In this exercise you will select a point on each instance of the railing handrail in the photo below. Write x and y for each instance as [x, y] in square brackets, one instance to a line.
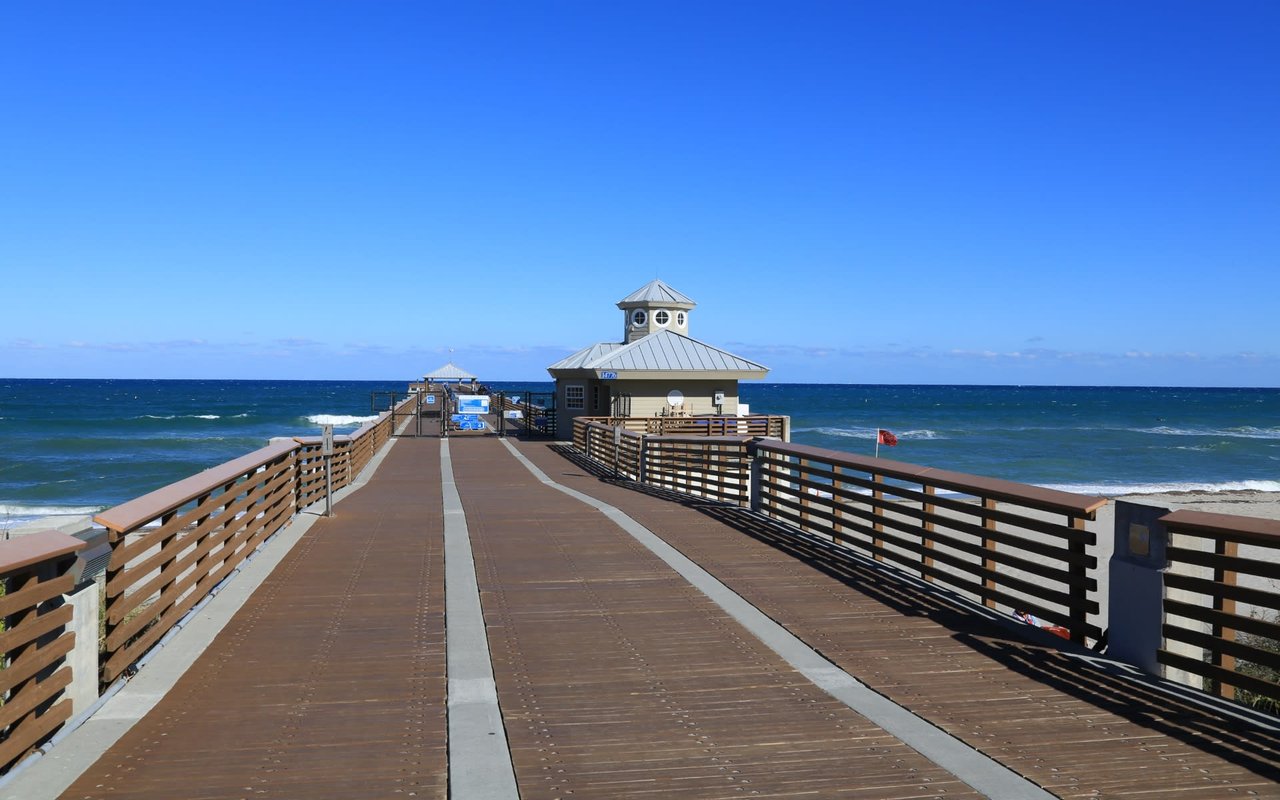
[676, 438]
[141, 510]
[608, 427]
[978, 485]
[1249, 530]
[129, 515]
[312, 441]
[24, 551]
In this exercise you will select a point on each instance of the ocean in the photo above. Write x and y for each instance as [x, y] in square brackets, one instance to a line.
[78, 446]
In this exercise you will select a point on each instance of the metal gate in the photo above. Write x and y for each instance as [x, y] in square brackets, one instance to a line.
[525, 413]
[419, 417]
[540, 414]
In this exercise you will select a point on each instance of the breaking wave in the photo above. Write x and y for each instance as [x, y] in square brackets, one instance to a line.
[339, 420]
[1117, 489]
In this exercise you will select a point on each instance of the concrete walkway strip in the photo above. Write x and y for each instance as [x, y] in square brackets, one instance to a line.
[49, 775]
[479, 759]
[984, 774]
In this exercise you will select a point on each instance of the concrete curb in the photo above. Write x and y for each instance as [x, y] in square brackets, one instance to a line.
[480, 765]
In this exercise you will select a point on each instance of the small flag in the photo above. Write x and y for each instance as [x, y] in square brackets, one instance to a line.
[886, 438]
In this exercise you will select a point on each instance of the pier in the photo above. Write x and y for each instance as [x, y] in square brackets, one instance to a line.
[625, 615]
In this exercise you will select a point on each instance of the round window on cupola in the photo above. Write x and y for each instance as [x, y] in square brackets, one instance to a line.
[661, 317]
[638, 317]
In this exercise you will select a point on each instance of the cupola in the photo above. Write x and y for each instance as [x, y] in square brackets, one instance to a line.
[654, 307]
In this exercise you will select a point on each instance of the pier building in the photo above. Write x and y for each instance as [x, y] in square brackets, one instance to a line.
[657, 369]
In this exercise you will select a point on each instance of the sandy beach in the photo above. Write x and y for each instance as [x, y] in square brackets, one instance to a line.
[1249, 504]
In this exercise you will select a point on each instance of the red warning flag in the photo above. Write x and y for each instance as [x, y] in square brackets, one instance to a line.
[886, 438]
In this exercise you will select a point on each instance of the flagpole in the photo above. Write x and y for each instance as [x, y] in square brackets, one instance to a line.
[877, 442]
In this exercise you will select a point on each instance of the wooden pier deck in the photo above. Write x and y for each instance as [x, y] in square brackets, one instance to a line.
[619, 675]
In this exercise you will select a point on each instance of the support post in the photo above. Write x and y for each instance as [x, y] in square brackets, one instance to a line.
[326, 451]
[926, 532]
[754, 487]
[989, 545]
[1135, 588]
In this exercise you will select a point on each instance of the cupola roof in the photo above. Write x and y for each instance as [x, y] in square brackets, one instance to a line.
[655, 292]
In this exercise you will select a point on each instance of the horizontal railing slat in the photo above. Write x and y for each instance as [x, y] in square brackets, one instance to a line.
[34, 660]
[31, 628]
[27, 733]
[1236, 649]
[17, 707]
[1245, 566]
[1205, 586]
[1214, 672]
[35, 593]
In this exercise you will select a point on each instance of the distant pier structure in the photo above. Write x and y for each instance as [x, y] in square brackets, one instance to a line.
[656, 370]
[449, 373]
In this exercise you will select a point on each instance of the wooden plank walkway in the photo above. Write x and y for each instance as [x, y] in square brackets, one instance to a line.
[618, 679]
[330, 681]
[1075, 729]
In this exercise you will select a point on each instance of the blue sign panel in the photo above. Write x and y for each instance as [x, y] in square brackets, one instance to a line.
[473, 403]
[608, 376]
[465, 418]
[431, 399]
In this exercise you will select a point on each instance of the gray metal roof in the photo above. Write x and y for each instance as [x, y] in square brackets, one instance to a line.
[449, 372]
[665, 350]
[655, 291]
[584, 357]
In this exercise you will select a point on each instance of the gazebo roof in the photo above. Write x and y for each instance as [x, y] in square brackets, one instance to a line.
[449, 372]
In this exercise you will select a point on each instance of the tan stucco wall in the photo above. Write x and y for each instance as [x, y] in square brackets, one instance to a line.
[648, 397]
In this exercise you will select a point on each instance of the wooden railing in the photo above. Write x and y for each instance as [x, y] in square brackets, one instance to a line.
[716, 467]
[994, 540]
[34, 575]
[615, 447]
[171, 547]
[1226, 567]
[1002, 543]
[758, 425]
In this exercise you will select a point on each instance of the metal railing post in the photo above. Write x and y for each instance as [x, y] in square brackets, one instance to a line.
[642, 455]
[753, 488]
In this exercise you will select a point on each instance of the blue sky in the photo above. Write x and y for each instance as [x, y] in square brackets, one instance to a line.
[905, 192]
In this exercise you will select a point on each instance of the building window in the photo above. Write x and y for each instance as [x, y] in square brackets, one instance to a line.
[661, 317]
[595, 399]
[638, 317]
[575, 397]
[680, 318]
